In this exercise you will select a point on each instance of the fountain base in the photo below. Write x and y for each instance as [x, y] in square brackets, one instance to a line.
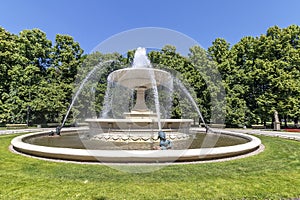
[138, 129]
[138, 136]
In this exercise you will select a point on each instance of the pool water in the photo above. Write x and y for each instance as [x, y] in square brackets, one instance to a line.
[81, 141]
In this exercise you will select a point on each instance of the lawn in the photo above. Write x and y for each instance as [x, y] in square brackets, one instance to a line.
[272, 174]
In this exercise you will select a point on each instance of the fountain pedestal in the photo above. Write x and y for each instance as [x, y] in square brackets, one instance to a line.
[140, 110]
[140, 100]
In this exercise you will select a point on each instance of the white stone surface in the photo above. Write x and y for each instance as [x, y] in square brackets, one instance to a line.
[137, 77]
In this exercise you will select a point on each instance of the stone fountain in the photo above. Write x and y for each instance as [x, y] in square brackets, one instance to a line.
[141, 123]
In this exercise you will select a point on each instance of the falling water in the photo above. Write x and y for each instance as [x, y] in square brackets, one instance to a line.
[131, 104]
[107, 101]
[188, 94]
[81, 86]
[141, 61]
[156, 100]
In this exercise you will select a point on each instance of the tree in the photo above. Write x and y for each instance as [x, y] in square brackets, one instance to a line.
[223, 57]
[65, 62]
[261, 75]
[189, 80]
[212, 91]
[94, 73]
[10, 63]
[279, 68]
[35, 48]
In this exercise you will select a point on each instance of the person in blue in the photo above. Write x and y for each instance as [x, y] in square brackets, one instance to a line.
[58, 128]
[164, 144]
[57, 131]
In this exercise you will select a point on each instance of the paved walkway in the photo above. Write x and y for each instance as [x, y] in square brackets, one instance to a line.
[27, 130]
[32, 130]
[281, 134]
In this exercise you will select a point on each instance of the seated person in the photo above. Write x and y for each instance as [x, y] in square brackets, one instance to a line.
[164, 144]
[58, 130]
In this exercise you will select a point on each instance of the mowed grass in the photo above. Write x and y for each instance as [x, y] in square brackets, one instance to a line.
[272, 174]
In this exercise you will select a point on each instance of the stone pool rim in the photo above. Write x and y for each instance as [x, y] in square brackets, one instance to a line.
[135, 156]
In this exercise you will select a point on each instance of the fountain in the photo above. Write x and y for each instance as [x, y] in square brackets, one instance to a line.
[141, 122]
[129, 133]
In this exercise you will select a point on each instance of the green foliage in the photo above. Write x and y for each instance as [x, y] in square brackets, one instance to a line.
[36, 77]
[90, 100]
[9, 59]
[261, 75]
[188, 77]
[212, 91]
[244, 83]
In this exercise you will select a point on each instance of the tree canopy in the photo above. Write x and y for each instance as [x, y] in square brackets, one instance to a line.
[261, 75]
[239, 84]
[36, 76]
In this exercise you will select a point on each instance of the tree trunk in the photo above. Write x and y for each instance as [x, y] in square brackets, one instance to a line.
[296, 122]
[285, 122]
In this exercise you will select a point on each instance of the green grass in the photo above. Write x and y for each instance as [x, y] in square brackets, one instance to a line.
[272, 174]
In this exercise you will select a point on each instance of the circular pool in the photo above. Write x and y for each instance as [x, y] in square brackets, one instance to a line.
[75, 145]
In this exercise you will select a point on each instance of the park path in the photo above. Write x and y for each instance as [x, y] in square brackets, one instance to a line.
[32, 130]
[281, 134]
[27, 130]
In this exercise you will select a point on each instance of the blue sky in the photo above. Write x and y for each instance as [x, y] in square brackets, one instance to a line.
[93, 21]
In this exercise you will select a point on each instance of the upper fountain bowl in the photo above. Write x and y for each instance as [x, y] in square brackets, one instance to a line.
[140, 77]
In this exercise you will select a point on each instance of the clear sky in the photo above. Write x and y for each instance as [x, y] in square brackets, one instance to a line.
[92, 21]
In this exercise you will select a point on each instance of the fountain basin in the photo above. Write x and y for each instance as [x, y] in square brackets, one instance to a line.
[132, 156]
[140, 77]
